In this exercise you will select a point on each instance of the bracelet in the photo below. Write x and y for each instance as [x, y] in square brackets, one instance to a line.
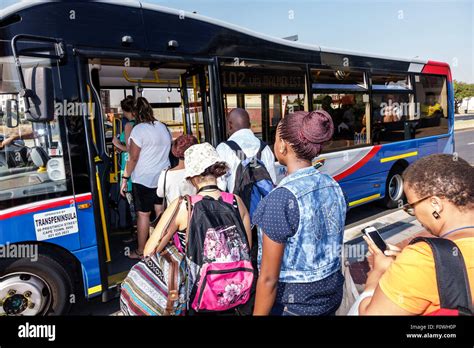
[125, 177]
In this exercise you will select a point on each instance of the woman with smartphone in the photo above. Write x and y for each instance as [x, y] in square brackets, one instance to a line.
[440, 194]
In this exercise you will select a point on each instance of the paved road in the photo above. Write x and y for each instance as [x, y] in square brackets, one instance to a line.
[464, 144]
[464, 117]
[363, 214]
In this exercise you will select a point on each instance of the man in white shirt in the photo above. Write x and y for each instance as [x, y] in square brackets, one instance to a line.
[238, 127]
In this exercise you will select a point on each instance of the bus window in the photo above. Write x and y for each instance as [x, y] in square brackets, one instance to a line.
[266, 91]
[348, 112]
[253, 105]
[195, 107]
[393, 113]
[281, 105]
[390, 115]
[110, 100]
[230, 102]
[432, 105]
[383, 82]
[167, 107]
[344, 95]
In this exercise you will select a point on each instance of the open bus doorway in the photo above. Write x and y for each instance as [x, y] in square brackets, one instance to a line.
[179, 96]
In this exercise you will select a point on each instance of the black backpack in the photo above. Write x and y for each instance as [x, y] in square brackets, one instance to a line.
[252, 180]
[219, 266]
[451, 277]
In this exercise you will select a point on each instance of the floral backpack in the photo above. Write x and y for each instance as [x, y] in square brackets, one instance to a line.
[218, 255]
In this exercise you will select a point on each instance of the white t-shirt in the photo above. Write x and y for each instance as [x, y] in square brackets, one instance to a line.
[154, 140]
[250, 145]
[176, 185]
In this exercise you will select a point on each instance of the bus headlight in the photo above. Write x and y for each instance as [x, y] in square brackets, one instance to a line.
[55, 169]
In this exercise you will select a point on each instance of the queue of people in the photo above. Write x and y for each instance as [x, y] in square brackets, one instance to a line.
[206, 229]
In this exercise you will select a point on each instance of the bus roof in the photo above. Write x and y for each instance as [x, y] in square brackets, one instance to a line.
[217, 24]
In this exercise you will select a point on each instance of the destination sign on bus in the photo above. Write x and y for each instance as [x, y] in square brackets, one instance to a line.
[247, 80]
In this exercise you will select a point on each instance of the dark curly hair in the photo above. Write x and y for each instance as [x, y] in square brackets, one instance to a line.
[216, 170]
[444, 176]
[306, 132]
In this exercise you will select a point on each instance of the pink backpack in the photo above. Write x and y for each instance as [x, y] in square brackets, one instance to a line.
[218, 255]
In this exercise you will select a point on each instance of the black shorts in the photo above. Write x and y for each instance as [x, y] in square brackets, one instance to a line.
[145, 198]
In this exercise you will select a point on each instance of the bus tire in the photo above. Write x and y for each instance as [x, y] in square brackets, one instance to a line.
[46, 274]
[394, 188]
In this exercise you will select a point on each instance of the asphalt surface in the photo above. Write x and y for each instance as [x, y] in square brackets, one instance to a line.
[465, 117]
[464, 144]
[464, 140]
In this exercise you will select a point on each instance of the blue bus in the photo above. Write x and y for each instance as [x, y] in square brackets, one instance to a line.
[64, 67]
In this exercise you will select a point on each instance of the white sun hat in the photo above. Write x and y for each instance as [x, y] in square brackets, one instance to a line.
[198, 158]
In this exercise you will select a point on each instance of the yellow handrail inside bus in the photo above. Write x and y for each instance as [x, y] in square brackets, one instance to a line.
[196, 114]
[183, 111]
[91, 114]
[115, 174]
[99, 188]
[156, 80]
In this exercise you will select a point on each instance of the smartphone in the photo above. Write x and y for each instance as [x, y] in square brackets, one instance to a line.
[374, 235]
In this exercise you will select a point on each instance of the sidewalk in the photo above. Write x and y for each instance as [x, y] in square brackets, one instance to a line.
[462, 124]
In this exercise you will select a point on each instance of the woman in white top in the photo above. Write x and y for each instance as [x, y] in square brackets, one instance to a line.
[176, 183]
[148, 147]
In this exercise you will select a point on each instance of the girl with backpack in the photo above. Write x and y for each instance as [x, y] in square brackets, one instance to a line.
[212, 228]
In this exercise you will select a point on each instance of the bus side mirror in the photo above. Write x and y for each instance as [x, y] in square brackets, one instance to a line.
[40, 94]
[13, 118]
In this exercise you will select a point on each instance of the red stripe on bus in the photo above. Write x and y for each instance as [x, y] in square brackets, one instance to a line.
[437, 68]
[359, 164]
[50, 205]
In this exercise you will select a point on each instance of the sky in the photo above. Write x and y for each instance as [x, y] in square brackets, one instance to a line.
[441, 30]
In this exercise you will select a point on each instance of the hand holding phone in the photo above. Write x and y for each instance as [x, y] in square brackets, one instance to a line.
[374, 235]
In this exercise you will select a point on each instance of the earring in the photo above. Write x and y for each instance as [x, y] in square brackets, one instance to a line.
[436, 215]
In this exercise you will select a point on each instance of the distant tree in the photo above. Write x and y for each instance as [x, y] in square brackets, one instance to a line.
[462, 90]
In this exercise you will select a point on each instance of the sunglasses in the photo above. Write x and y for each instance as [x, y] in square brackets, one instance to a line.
[409, 208]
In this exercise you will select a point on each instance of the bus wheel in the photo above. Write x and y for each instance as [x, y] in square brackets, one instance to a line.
[40, 287]
[394, 188]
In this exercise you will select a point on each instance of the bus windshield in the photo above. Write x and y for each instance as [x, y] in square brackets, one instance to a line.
[31, 153]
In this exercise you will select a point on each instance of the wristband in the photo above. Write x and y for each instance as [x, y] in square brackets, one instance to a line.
[125, 177]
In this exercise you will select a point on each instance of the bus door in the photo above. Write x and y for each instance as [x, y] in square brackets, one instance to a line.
[183, 103]
[196, 101]
[179, 96]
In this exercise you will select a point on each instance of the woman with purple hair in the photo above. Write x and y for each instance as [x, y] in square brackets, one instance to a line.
[301, 224]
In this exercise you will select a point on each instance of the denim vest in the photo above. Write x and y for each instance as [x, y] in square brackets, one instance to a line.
[314, 252]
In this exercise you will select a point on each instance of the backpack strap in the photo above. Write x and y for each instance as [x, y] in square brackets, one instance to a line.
[227, 197]
[194, 199]
[263, 145]
[236, 148]
[165, 202]
[451, 275]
